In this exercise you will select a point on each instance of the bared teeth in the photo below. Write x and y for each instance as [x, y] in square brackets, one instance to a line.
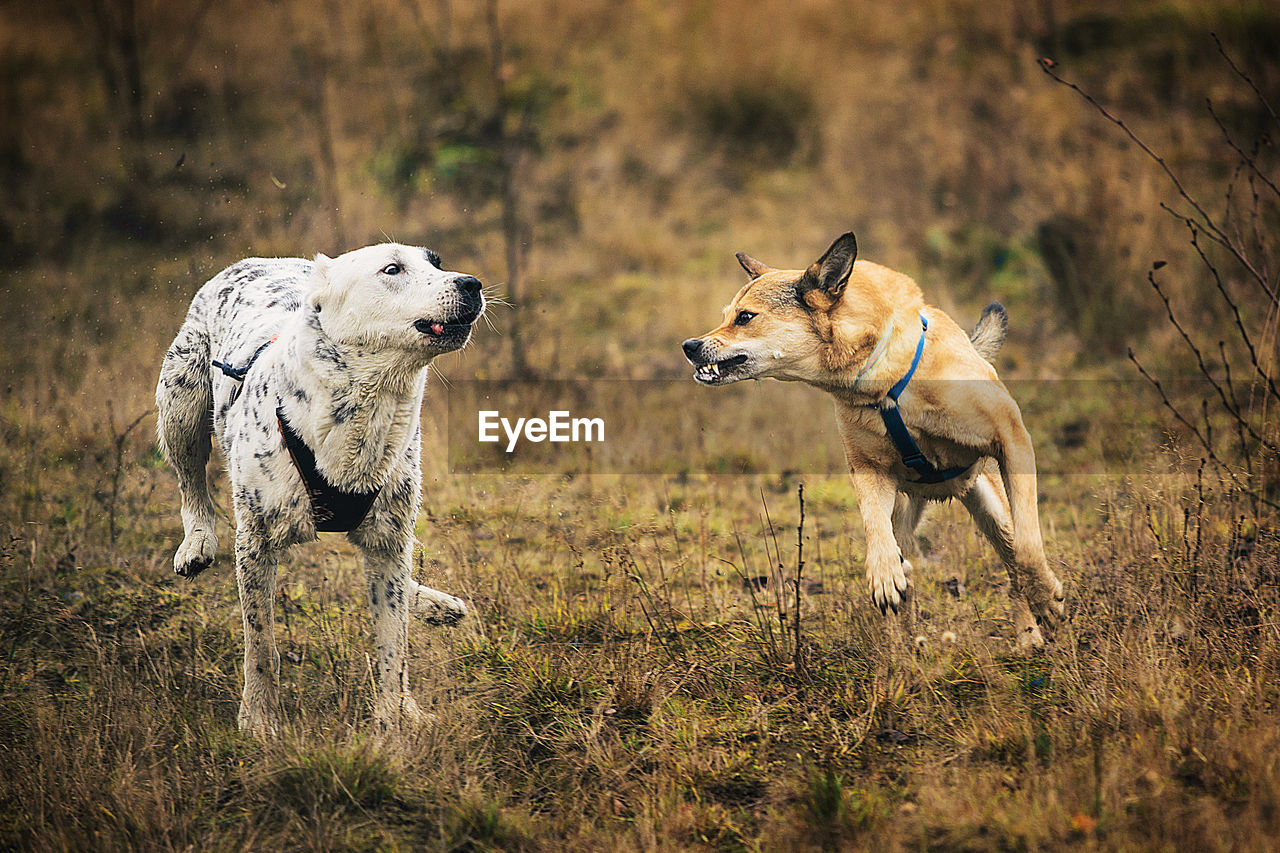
[710, 370]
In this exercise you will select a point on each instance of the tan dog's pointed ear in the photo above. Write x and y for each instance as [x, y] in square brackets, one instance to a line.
[831, 272]
[754, 268]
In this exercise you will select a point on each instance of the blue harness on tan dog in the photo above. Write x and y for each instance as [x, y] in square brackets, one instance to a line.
[898, 434]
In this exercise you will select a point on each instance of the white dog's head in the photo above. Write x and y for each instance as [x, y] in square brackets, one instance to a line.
[397, 297]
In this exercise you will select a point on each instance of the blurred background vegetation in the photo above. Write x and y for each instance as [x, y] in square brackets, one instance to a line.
[602, 161]
[598, 162]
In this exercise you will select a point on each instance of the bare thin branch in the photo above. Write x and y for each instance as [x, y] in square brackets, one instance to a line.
[1235, 311]
[1235, 401]
[1245, 77]
[1213, 456]
[1217, 238]
[1232, 410]
[1146, 149]
[1206, 222]
[1245, 159]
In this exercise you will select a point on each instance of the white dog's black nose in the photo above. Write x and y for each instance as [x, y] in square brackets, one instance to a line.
[468, 284]
[691, 348]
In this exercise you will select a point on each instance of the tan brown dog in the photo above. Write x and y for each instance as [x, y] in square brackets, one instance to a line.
[857, 330]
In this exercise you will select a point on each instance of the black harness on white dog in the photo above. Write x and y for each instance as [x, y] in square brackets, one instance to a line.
[333, 510]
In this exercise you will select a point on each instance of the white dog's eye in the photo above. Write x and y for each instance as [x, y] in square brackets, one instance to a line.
[391, 269]
[743, 318]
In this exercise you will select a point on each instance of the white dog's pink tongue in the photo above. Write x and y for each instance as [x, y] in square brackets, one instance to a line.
[437, 328]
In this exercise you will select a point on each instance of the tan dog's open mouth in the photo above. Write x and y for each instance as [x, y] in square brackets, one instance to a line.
[720, 372]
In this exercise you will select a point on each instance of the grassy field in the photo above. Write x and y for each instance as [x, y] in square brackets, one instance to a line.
[677, 661]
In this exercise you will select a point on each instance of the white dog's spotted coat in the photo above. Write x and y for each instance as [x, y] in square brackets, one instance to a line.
[353, 336]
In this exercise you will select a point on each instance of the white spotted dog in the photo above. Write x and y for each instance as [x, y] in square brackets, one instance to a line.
[311, 375]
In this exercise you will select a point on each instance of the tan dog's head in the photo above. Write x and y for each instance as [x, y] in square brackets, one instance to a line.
[777, 325]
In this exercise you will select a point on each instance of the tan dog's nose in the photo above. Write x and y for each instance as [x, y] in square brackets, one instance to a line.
[691, 349]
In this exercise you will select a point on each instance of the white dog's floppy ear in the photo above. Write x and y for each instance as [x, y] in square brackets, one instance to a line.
[754, 268]
[318, 284]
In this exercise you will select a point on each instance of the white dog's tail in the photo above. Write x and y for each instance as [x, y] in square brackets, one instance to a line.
[988, 336]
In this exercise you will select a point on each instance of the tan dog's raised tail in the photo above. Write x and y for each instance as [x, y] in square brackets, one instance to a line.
[855, 329]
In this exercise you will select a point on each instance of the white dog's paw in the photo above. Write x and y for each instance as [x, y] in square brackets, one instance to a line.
[259, 722]
[889, 586]
[435, 607]
[195, 554]
[399, 712]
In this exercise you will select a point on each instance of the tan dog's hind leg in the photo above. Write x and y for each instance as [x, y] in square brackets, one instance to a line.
[989, 507]
[907, 510]
[1017, 460]
[886, 573]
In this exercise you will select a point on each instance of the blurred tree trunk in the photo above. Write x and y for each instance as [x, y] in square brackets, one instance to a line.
[115, 33]
[314, 59]
[328, 158]
[509, 150]
[117, 47]
[445, 20]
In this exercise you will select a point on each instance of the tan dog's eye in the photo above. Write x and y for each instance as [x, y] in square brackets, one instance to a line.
[743, 318]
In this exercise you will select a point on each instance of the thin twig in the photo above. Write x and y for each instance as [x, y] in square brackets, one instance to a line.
[799, 572]
[1213, 456]
[1245, 159]
[1206, 222]
[1235, 311]
[1204, 368]
[1146, 149]
[1245, 77]
[1240, 422]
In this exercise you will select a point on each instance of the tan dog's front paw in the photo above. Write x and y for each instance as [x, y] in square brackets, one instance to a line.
[889, 587]
[1030, 638]
[1049, 603]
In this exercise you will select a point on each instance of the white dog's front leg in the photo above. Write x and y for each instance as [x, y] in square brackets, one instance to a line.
[387, 575]
[256, 577]
[886, 570]
[433, 606]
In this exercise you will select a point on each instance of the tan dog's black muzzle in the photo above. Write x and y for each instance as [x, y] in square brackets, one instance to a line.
[693, 350]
